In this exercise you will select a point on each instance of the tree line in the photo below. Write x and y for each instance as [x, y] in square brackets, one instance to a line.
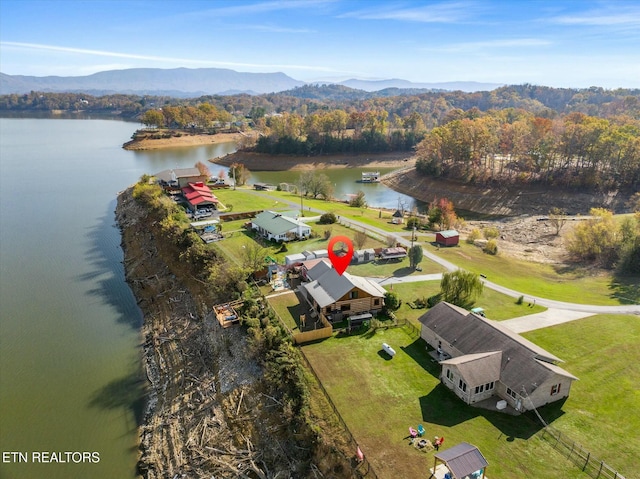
[574, 150]
[337, 131]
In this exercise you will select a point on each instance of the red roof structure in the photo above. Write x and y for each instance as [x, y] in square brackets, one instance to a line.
[199, 194]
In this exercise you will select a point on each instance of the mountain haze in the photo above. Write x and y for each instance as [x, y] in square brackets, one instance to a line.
[186, 82]
[153, 81]
[377, 85]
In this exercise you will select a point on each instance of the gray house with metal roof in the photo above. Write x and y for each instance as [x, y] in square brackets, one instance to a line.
[481, 358]
[339, 296]
[278, 227]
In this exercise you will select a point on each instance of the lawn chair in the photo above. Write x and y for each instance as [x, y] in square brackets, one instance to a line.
[412, 432]
[420, 430]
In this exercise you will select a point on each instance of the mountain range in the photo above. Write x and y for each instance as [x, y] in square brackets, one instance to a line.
[186, 82]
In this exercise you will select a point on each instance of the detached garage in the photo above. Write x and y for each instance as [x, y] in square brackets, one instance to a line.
[448, 238]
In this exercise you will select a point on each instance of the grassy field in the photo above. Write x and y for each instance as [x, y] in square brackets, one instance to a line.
[546, 281]
[244, 199]
[497, 306]
[380, 398]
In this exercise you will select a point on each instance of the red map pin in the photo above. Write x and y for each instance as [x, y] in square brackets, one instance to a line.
[340, 261]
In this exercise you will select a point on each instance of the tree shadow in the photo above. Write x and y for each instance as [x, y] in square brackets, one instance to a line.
[405, 271]
[128, 393]
[105, 256]
[625, 289]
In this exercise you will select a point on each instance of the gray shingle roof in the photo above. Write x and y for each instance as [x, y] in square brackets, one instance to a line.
[462, 459]
[479, 368]
[522, 364]
[167, 175]
[331, 286]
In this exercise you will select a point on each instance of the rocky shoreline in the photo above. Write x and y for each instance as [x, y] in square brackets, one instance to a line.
[265, 162]
[208, 413]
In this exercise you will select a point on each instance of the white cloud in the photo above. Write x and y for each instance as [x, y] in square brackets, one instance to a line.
[437, 13]
[623, 15]
[490, 45]
[166, 60]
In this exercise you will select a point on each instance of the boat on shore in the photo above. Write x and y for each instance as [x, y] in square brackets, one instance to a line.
[370, 177]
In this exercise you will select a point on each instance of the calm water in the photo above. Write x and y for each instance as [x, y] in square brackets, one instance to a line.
[69, 325]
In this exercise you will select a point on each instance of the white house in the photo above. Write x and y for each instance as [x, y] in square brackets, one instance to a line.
[277, 227]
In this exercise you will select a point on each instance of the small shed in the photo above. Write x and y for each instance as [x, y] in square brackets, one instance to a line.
[397, 218]
[463, 461]
[448, 238]
[294, 258]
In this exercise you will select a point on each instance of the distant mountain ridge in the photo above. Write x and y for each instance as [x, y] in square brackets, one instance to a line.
[153, 81]
[377, 85]
[186, 82]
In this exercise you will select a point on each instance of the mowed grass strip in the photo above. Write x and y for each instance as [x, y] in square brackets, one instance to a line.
[379, 398]
[543, 280]
[497, 306]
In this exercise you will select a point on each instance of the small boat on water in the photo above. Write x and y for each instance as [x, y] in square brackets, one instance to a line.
[371, 177]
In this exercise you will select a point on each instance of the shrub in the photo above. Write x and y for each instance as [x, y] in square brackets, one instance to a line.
[491, 247]
[433, 300]
[520, 299]
[327, 233]
[327, 219]
[473, 235]
[491, 232]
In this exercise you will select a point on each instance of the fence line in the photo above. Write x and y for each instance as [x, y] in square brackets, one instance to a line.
[363, 469]
[578, 455]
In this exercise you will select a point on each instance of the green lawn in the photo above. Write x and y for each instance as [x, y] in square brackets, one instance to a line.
[546, 281]
[379, 398]
[288, 308]
[602, 411]
[497, 306]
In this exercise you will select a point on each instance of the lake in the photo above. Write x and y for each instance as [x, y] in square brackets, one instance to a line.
[69, 324]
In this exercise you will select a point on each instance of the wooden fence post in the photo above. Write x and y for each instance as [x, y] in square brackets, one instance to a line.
[586, 463]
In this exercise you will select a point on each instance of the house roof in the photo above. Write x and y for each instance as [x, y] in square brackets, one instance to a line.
[479, 368]
[317, 267]
[462, 459]
[523, 364]
[397, 214]
[448, 233]
[175, 173]
[198, 193]
[330, 287]
[276, 223]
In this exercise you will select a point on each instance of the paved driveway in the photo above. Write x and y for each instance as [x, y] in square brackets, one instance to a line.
[550, 317]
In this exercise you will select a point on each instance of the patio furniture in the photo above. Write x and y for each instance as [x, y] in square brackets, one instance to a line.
[420, 430]
[412, 432]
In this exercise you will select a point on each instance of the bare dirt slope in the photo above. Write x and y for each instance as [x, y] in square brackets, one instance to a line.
[209, 413]
[510, 200]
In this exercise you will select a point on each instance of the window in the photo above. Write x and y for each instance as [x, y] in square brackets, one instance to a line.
[353, 295]
[555, 389]
[489, 386]
[376, 302]
[327, 310]
[511, 393]
[479, 389]
[449, 375]
[462, 385]
[345, 307]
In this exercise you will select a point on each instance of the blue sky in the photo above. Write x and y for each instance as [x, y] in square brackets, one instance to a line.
[560, 43]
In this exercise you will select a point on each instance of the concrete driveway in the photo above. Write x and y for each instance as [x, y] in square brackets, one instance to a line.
[550, 317]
